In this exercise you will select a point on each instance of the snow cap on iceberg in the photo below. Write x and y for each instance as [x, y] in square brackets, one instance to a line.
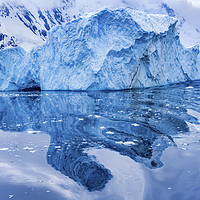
[111, 49]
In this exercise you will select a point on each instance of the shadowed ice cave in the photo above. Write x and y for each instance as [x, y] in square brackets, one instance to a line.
[138, 124]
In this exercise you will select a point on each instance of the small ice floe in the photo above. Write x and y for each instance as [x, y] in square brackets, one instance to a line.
[57, 147]
[28, 148]
[189, 87]
[184, 149]
[110, 133]
[4, 149]
[121, 111]
[11, 196]
[33, 151]
[135, 124]
[33, 132]
[102, 127]
[119, 142]
[129, 143]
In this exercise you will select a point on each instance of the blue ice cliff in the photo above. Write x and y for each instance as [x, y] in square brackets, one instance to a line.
[111, 49]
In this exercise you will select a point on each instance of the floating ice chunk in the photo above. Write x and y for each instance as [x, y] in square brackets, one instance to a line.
[109, 132]
[33, 132]
[27, 148]
[119, 142]
[135, 124]
[129, 143]
[102, 127]
[33, 151]
[10, 196]
[4, 149]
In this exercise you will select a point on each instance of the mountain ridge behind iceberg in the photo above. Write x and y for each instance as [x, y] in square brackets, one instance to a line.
[109, 50]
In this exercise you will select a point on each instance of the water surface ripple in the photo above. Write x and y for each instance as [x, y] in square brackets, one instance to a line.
[138, 124]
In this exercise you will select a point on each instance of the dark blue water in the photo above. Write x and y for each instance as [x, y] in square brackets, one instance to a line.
[135, 144]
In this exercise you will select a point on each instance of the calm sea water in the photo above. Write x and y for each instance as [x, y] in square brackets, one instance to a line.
[123, 145]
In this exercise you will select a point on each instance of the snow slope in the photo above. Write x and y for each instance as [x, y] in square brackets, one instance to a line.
[26, 23]
[111, 49]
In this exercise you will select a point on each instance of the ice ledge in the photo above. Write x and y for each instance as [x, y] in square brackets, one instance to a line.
[111, 49]
[157, 23]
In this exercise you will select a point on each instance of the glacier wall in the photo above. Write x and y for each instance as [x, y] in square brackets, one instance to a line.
[111, 49]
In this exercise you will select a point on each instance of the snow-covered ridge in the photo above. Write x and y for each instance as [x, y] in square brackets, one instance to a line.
[26, 23]
[112, 49]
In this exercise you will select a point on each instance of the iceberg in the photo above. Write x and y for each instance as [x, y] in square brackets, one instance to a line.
[108, 50]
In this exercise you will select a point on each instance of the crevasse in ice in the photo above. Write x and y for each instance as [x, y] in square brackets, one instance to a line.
[111, 49]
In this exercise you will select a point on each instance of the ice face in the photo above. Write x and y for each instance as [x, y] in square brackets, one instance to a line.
[10, 60]
[108, 50]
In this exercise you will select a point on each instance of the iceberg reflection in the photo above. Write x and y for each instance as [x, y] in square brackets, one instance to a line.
[138, 124]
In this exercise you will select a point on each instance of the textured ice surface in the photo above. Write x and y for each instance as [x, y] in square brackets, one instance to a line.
[111, 49]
